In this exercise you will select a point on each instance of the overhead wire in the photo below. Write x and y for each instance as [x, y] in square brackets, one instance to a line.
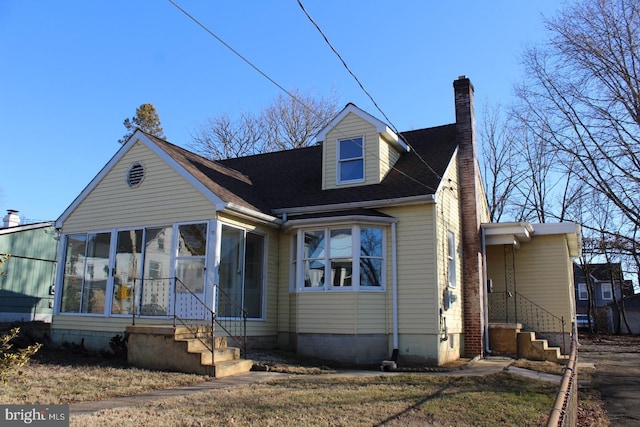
[344, 63]
[266, 76]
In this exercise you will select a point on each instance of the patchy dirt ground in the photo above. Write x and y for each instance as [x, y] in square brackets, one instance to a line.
[616, 375]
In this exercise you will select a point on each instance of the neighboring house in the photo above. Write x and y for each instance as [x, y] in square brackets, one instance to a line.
[365, 245]
[606, 280]
[27, 282]
[631, 306]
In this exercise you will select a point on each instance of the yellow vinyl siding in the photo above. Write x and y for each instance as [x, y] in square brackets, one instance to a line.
[286, 299]
[371, 315]
[115, 325]
[388, 157]
[163, 197]
[448, 214]
[268, 325]
[542, 275]
[417, 280]
[378, 155]
[341, 312]
[326, 312]
[496, 267]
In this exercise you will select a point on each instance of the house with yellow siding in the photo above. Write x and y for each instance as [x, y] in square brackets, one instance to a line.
[364, 248]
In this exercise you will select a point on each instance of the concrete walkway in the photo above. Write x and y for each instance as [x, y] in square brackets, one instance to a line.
[478, 367]
[140, 399]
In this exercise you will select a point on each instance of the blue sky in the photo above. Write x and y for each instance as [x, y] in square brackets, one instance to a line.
[72, 71]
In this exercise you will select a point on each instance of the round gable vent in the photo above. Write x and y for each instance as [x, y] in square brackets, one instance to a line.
[135, 174]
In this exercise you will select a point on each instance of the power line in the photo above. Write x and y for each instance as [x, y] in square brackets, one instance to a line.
[238, 54]
[262, 73]
[344, 63]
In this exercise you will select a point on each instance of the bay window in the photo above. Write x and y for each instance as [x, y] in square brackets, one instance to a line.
[341, 258]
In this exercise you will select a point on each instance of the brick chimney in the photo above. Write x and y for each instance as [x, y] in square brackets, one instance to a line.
[11, 219]
[469, 181]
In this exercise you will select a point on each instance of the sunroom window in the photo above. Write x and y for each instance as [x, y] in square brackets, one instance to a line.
[242, 269]
[86, 272]
[342, 258]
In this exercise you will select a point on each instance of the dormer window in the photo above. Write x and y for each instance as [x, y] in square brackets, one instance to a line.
[351, 160]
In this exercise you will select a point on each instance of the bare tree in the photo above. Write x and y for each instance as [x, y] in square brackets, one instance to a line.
[584, 88]
[220, 137]
[292, 122]
[498, 161]
[289, 122]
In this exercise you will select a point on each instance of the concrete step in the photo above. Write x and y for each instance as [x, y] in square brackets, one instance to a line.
[232, 367]
[175, 349]
[195, 345]
[532, 348]
[219, 355]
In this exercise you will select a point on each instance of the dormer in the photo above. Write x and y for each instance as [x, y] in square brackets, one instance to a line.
[357, 149]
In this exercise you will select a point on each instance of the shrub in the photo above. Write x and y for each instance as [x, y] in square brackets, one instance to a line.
[12, 360]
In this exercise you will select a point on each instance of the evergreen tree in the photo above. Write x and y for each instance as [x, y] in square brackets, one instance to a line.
[146, 119]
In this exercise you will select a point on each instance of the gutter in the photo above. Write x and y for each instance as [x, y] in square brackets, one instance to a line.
[372, 204]
[359, 219]
[254, 215]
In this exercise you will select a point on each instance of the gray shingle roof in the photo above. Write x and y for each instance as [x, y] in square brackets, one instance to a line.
[292, 178]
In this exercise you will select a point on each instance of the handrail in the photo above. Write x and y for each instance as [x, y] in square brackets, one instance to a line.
[199, 313]
[226, 319]
[190, 310]
[525, 311]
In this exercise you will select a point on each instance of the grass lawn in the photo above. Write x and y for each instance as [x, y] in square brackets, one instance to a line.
[302, 400]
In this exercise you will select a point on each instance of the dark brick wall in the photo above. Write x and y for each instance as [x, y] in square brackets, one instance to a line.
[472, 280]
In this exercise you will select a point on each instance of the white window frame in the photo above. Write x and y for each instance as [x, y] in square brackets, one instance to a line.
[340, 161]
[452, 267]
[298, 267]
[265, 257]
[583, 293]
[603, 289]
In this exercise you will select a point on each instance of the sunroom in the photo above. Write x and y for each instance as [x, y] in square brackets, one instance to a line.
[157, 271]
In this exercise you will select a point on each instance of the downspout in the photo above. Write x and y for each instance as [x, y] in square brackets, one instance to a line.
[483, 247]
[391, 364]
[394, 278]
